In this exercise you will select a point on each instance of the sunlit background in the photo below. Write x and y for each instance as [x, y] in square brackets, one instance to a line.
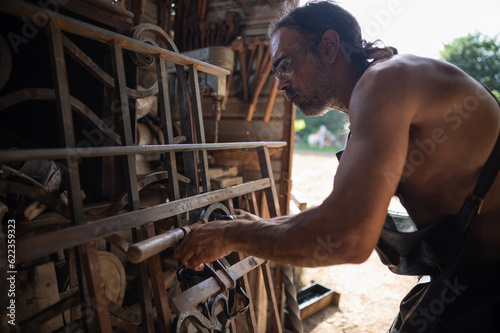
[421, 27]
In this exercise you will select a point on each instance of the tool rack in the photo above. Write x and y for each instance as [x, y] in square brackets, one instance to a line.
[72, 232]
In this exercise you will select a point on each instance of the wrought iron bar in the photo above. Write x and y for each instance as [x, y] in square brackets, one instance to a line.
[84, 152]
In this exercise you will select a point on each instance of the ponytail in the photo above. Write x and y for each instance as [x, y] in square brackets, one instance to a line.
[377, 51]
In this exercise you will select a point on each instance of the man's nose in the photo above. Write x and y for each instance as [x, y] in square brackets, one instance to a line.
[283, 84]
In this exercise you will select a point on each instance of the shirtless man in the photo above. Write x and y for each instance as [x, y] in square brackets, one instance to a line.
[419, 126]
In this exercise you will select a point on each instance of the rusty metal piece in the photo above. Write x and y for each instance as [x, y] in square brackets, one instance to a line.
[211, 323]
[9, 155]
[121, 202]
[165, 114]
[138, 31]
[207, 212]
[86, 62]
[199, 130]
[222, 282]
[210, 286]
[41, 245]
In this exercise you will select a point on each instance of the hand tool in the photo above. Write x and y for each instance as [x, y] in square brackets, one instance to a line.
[238, 45]
[260, 83]
[270, 101]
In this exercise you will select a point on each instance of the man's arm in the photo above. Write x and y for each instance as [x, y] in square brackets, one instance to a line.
[346, 226]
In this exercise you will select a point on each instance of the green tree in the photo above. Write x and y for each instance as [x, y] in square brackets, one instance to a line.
[479, 56]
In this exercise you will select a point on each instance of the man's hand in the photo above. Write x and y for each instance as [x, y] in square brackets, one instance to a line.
[240, 214]
[208, 242]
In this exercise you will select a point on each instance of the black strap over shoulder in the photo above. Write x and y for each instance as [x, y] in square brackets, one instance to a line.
[474, 201]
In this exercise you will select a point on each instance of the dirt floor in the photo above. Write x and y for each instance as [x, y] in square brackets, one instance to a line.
[369, 293]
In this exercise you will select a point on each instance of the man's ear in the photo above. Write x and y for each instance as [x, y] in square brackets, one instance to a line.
[331, 43]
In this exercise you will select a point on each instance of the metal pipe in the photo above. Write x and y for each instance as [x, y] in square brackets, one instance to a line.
[83, 152]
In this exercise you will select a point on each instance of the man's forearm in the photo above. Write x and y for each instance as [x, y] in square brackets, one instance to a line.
[305, 239]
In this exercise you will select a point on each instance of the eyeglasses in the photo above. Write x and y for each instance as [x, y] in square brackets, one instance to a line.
[288, 65]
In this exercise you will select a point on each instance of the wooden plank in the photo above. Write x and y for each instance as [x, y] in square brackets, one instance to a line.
[251, 318]
[275, 314]
[38, 291]
[258, 287]
[43, 318]
[274, 210]
[285, 184]
[231, 171]
[97, 313]
[158, 285]
[254, 131]
[270, 102]
[226, 182]
[40, 245]
[267, 172]
[145, 299]
[235, 110]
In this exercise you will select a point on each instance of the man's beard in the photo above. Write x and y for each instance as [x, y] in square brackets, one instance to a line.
[320, 96]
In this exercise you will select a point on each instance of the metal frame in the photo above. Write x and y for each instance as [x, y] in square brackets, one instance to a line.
[82, 234]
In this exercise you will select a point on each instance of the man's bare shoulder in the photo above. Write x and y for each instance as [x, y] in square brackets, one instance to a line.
[411, 64]
[411, 72]
[415, 82]
[387, 84]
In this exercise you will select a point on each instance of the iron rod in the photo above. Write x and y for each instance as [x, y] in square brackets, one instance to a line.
[9, 155]
[41, 245]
